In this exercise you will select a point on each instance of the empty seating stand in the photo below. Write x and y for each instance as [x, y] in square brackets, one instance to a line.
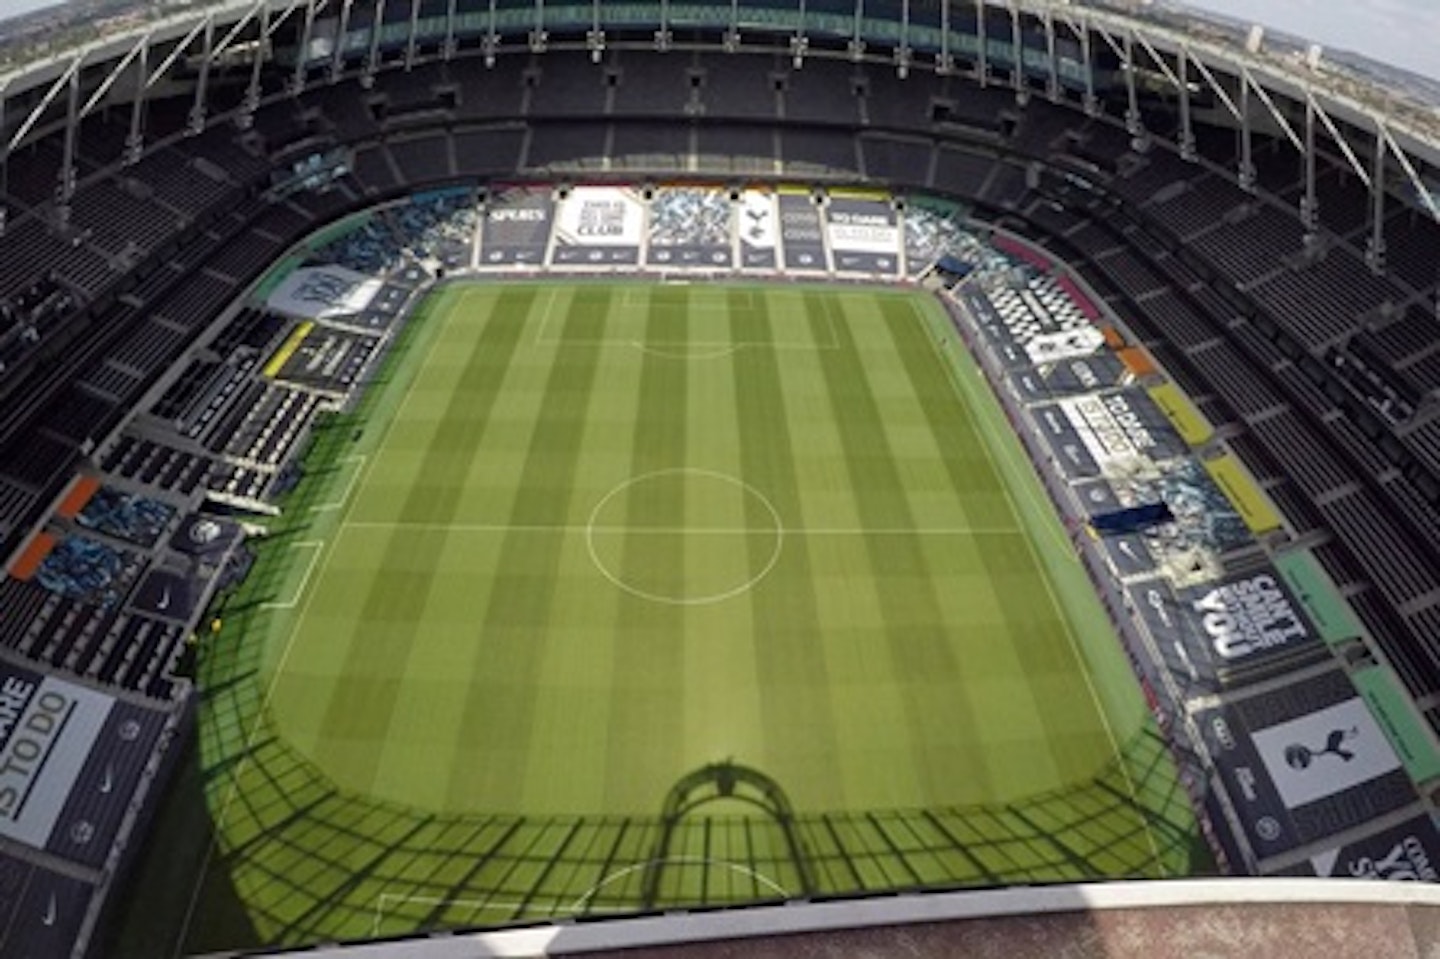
[107, 645]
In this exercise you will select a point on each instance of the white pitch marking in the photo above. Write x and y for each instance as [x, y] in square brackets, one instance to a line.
[572, 528]
[318, 545]
[349, 487]
[744, 870]
[981, 423]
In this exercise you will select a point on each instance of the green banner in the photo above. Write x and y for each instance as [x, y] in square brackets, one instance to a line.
[1323, 603]
[1396, 714]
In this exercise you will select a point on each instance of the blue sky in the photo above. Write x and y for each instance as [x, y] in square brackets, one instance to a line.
[1405, 33]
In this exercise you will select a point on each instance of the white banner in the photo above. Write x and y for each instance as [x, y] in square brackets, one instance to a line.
[757, 224]
[46, 732]
[314, 293]
[1325, 752]
[863, 231]
[600, 216]
[1107, 440]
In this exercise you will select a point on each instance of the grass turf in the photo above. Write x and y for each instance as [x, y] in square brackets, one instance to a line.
[613, 534]
[586, 538]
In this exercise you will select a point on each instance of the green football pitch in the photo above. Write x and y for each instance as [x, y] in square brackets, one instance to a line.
[584, 545]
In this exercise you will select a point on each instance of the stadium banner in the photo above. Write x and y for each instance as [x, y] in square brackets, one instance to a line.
[1070, 341]
[690, 227]
[1324, 606]
[47, 729]
[1069, 452]
[1211, 637]
[1137, 361]
[1253, 505]
[1129, 555]
[41, 910]
[1409, 852]
[1096, 496]
[1206, 525]
[204, 536]
[277, 275]
[516, 228]
[1122, 427]
[1077, 376]
[129, 516]
[93, 809]
[166, 594]
[931, 231]
[1247, 616]
[1193, 428]
[992, 326]
[287, 349]
[318, 292]
[1395, 712]
[599, 226]
[864, 235]
[801, 237]
[1303, 762]
[758, 230]
[1028, 385]
[330, 359]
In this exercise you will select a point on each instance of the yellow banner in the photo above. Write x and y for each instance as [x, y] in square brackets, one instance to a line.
[1189, 423]
[859, 193]
[1252, 504]
[287, 349]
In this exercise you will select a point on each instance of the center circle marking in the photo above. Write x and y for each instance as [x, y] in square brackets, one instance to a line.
[716, 595]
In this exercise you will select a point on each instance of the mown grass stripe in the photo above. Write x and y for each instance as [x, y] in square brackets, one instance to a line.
[513, 636]
[788, 642]
[1034, 628]
[647, 721]
[362, 701]
[919, 648]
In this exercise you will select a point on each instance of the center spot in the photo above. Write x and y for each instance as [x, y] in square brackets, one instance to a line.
[684, 536]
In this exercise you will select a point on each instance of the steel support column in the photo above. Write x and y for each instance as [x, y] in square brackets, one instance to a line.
[945, 62]
[246, 117]
[1310, 203]
[1017, 57]
[856, 46]
[337, 58]
[1187, 124]
[1245, 174]
[411, 38]
[595, 38]
[731, 41]
[982, 64]
[372, 55]
[1375, 246]
[663, 36]
[65, 189]
[1052, 82]
[135, 139]
[902, 52]
[302, 57]
[195, 122]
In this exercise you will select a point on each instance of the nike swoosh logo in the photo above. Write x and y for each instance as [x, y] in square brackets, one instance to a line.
[51, 912]
[164, 601]
[108, 783]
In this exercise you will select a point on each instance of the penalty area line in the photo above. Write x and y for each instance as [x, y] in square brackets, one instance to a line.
[317, 546]
[360, 459]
